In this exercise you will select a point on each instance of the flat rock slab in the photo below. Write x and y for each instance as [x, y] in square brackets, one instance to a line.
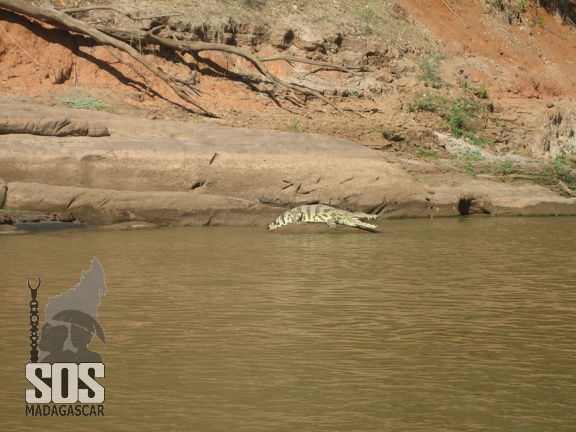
[179, 173]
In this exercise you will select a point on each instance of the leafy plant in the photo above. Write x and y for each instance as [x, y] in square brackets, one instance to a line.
[430, 70]
[471, 155]
[483, 92]
[506, 167]
[469, 169]
[426, 154]
[81, 100]
[460, 114]
[385, 132]
[522, 6]
[558, 170]
[465, 84]
[369, 16]
[477, 140]
[428, 102]
[370, 19]
[457, 120]
[295, 126]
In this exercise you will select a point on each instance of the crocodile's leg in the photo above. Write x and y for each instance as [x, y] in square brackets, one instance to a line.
[332, 223]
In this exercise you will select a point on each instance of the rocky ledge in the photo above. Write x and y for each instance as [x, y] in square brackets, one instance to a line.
[178, 173]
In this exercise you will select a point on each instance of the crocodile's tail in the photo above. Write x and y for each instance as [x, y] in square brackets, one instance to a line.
[284, 219]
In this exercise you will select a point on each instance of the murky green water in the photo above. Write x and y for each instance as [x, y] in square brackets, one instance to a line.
[432, 325]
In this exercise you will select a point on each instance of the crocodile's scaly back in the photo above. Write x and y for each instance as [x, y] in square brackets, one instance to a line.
[323, 213]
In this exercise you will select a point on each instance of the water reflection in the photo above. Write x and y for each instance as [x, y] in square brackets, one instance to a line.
[433, 325]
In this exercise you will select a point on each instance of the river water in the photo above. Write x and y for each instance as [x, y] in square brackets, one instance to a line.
[431, 325]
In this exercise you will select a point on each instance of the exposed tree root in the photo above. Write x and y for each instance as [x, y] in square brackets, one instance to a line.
[61, 20]
[123, 41]
[561, 185]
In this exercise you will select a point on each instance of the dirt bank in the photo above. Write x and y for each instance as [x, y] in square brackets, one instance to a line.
[457, 99]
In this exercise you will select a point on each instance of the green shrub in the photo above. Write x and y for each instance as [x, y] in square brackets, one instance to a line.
[81, 100]
[430, 67]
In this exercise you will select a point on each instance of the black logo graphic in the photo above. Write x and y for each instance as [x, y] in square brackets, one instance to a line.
[62, 368]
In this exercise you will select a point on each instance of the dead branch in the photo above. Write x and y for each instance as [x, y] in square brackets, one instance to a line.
[61, 20]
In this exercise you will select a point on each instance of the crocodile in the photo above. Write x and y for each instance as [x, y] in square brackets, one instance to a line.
[323, 213]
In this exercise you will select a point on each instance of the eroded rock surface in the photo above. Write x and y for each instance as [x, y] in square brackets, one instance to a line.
[179, 173]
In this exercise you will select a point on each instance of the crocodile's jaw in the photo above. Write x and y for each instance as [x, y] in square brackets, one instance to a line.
[356, 223]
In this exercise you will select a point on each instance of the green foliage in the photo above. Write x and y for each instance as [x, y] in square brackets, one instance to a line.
[426, 154]
[465, 84]
[385, 132]
[460, 114]
[477, 140]
[469, 169]
[457, 120]
[522, 7]
[546, 173]
[483, 92]
[369, 16]
[370, 19]
[295, 126]
[468, 161]
[430, 70]
[506, 167]
[558, 170]
[471, 156]
[81, 100]
[428, 102]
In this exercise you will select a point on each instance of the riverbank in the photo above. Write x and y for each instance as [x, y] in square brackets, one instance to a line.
[426, 122]
[180, 173]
